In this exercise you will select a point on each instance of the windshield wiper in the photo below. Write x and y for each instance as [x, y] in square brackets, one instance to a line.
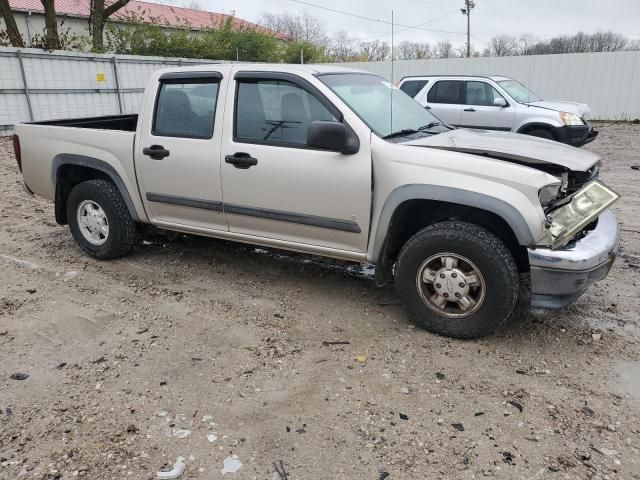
[430, 125]
[401, 133]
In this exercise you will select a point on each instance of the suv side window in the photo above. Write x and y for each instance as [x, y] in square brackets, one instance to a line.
[413, 87]
[446, 91]
[481, 94]
[276, 111]
[186, 108]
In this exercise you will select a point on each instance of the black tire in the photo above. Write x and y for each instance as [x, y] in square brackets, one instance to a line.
[541, 133]
[482, 248]
[122, 228]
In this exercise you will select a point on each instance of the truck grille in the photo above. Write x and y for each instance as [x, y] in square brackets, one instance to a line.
[577, 180]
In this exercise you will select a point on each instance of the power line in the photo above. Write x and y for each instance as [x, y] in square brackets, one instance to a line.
[362, 17]
[414, 27]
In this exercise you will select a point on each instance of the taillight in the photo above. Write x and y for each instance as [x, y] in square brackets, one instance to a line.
[17, 151]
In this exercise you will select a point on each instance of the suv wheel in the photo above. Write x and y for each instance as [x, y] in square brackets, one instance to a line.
[457, 279]
[99, 220]
[541, 133]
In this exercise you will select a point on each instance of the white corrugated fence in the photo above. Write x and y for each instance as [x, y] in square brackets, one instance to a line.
[37, 85]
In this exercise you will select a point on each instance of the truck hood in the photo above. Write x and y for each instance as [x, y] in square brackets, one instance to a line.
[514, 147]
[580, 109]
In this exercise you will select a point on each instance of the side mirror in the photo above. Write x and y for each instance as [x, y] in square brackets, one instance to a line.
[499, 102]
[332, 136]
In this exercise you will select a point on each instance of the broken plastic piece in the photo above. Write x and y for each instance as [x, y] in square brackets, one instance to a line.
[175, 472]
[231, 465]
[212, 438]
[180, 433]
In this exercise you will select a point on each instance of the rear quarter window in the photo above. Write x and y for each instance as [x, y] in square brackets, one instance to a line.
[413, 87]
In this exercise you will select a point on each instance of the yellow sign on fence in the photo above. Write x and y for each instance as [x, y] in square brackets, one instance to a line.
[101, 77]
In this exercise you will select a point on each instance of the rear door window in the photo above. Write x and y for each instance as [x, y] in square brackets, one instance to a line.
[186, 108]
[413, 87]
[446, 91]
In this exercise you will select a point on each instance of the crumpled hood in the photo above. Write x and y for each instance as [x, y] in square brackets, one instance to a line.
[520, 148]
[580, 109]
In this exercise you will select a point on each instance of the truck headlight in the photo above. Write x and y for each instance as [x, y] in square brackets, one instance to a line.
[549, 193]
[570, 119]
[585, 206]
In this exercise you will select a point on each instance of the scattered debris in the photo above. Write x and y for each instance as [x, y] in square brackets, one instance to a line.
[180, 433]
[142, 330]
[60, 366]
[478, 414]
[231, 465]
[383, 475]
[521, 372]
[279, 467]
[440, 376]
[8, 412]
[635, 167]
[31, 291]
[69, 276]
[507, 458]
[3, 333]
[607, 452]
[19, 376]
[361, 358]
[458, 426]
[211, 438]
[102, 359]
[337, 342]
[403, 416]
[207, 418]
[175, 472]
[404, 390]
[596, 337]
[515, 404]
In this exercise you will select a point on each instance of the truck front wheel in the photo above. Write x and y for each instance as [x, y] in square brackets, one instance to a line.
[457, 279]
[99, 220]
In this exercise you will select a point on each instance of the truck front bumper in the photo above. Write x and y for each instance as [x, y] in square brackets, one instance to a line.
[559, 277]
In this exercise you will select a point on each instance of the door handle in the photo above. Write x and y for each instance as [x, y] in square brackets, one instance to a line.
[427, 107]
[156, 152]
[471, 109]
[241, 160]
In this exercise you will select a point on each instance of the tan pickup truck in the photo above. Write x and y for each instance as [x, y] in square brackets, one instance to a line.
[336, 162]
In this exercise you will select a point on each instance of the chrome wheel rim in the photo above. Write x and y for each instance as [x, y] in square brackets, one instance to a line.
[451, 285]
[92, 222]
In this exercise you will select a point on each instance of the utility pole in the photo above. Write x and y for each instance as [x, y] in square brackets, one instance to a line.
[468, 6]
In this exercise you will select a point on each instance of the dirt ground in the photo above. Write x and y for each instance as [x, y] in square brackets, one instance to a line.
[135, 362]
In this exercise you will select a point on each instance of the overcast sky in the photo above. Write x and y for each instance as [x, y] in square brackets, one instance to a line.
[543, 18]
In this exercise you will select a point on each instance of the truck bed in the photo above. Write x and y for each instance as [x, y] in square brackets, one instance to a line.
[125, 123]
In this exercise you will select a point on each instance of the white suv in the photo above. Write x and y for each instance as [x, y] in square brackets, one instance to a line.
[500, 103]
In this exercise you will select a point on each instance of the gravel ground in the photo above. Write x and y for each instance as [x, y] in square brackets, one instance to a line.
[135, 362]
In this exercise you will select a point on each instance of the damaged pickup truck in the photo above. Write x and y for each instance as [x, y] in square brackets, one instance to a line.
[336, 162]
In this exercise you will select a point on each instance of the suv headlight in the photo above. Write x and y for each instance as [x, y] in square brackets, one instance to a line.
[585, 206]
[549, 193]
[570, 119]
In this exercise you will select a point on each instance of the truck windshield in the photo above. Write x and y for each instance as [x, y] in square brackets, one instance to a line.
[519, 92]
[387, 110]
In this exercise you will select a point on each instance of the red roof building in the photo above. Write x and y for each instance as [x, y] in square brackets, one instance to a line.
[167, 15]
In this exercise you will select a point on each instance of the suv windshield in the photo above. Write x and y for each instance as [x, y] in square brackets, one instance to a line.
[387, 110]
[519, 92]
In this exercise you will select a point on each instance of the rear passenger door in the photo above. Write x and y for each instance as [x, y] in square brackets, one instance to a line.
[479, 110]
[177, 153]
[445, 99]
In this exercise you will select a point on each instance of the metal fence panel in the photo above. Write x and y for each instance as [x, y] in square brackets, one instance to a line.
[607, 81]
[67, 84]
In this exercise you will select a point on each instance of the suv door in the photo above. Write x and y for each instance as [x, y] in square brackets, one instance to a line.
[275, 186]
[444, 99]
[479, 110]
[177, 154]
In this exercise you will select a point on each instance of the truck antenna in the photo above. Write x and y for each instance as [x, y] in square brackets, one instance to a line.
[391, 89]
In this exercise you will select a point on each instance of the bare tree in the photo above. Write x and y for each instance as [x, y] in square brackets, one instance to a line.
[304, 27]
[98, 17]
[51, 38]
[10, 22]
[525, 42]
[374, 51]
[413, 50]
[444, 49]
[579, 43]
[503, 45]
[341, 48]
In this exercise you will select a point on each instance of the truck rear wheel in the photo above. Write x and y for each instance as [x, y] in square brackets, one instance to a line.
[99, 220]
[457, 279]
